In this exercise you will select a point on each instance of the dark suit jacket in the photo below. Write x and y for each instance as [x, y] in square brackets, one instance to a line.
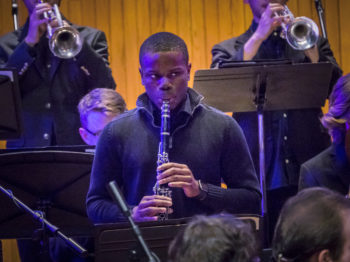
[329, 169]
[232, 50]
[51, 87]
[291, 137]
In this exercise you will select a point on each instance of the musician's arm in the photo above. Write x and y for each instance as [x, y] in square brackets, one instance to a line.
[106, 167]
[307, 178]
[16, 55]
[226, 51]
[242, 194]
[326, 55]
[93, 58]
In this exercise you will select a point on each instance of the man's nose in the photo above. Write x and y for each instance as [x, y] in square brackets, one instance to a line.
[165, 83]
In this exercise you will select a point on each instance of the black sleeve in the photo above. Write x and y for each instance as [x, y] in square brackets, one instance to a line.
[106, 167]
[93, 60]
[243, 192]
[227, 51]
[326, 55]
[306, 178]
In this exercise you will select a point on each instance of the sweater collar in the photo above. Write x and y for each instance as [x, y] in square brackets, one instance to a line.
[187, 107]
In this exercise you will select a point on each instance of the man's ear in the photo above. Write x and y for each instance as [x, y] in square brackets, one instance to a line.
[84, 135]
[141, 74]
[324, 256]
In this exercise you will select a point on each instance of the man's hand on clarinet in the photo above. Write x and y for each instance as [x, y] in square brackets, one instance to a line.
[150, 206]
[178, 175]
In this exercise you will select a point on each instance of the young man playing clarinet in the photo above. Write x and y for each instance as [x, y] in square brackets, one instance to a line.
[205, 146]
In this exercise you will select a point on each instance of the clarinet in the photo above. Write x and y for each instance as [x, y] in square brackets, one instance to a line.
[163, 157]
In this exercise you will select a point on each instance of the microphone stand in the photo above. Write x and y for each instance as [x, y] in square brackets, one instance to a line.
[38, 215]
[15, 14]
[116, 195]
[320, 12]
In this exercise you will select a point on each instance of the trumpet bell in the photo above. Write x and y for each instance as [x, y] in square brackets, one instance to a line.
[302, 33]
[65, 42]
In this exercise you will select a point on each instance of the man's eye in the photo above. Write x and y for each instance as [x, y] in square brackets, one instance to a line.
[174, 74]
[153, 76]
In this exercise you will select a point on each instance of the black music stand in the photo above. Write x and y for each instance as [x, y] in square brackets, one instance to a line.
[10, 105]
[259, 87]
[10, 118]
[55, 182]
[117, 241]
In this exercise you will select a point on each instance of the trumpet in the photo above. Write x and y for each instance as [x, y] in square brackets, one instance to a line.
[301, 32]
[65, 41]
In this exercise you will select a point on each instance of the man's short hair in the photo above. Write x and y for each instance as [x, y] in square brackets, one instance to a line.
[218, 238]
[102, 100]
[163, 42]
[339, 110]
[310, 222]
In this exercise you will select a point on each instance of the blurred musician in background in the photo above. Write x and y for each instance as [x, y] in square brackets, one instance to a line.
[205, 146]
[331, 167]
[51, 86]
[96, 109]
[314, 226]
[291, 137]
[216, 238]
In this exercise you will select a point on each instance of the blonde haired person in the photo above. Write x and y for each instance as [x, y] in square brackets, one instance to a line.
[97, 108]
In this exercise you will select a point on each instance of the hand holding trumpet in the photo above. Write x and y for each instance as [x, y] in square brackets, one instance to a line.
[269, 21]
[64, 40]
[301, 33]
[38, 23]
